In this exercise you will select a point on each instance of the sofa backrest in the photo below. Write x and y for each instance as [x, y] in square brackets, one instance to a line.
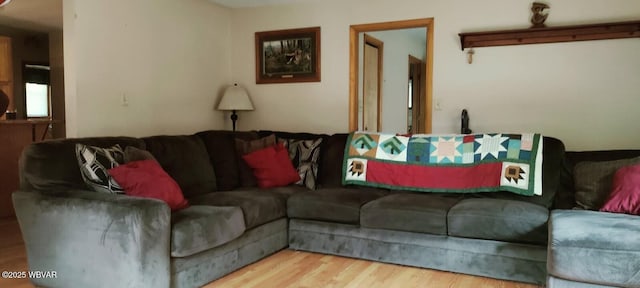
[200, 163]
[566, 192]
[226, 162]
[52, 165]
[331, 157]
[186, 160]
[330, 170]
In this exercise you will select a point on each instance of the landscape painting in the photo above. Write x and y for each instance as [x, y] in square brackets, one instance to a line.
[288, 56]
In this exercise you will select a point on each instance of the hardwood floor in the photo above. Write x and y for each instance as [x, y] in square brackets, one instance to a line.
[290, 268]
[12, 253]
[287, 268]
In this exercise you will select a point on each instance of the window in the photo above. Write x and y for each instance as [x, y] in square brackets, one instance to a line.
[37, 100]
[37, 92]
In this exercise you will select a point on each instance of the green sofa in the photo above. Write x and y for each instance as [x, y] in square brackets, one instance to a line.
[105, 240]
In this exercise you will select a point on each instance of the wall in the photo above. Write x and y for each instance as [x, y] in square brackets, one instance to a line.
[145, 67]
[584, 93]
[56, 74]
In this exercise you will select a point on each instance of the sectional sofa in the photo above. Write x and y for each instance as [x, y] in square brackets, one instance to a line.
[112, 240]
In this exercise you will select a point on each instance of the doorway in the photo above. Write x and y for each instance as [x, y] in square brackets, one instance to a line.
[425, 97]
[415, 85]
[371, 84]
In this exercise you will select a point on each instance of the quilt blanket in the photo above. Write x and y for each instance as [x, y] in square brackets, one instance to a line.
[445, 163]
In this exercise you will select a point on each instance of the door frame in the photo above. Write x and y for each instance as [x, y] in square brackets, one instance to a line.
[354, 39]
[370, 40]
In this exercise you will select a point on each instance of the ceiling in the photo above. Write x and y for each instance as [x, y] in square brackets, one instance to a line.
[33, 15]
[256, 3]
[46, 15]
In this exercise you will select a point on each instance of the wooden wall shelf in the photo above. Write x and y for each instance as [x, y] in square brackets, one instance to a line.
[602, 31]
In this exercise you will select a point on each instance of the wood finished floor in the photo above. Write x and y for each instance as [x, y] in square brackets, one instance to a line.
[287, 268]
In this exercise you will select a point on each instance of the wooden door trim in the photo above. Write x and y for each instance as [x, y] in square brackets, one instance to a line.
[353, 64]
[368, 39]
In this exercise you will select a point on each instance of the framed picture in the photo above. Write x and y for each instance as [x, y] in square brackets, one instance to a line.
[286, 56]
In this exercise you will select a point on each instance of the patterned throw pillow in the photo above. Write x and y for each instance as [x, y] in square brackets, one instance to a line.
[304, 154]
[94, 163]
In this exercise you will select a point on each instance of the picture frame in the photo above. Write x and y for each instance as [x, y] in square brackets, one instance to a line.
[288, 56]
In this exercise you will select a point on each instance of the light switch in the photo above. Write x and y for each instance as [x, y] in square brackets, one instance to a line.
[124, 100]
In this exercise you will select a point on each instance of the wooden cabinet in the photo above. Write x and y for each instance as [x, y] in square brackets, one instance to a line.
[14, 136]
[6, 70]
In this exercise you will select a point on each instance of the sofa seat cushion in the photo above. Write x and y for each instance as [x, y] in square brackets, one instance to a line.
[412, 212]
[198, 228]
[595, 247]
[499, 219]
[258, 206]
[341, 205]
[286, 191]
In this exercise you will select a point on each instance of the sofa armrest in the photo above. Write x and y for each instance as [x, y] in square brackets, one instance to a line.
[95, 239]
[594, 247]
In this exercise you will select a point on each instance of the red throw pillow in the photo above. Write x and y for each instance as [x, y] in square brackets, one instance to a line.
[272, 167]
[146, 178]
[625, 193]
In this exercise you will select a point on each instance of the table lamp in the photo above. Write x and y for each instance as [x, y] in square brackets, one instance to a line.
[235, 98]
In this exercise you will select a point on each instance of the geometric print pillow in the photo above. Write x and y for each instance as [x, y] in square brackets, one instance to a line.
[304, 155]
[94, 163]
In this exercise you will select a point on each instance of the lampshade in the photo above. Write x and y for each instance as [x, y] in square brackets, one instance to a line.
[235, 98]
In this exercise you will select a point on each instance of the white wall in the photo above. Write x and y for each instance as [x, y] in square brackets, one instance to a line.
[70, 68]
[585, 93]
[56, 74]
[169, 59]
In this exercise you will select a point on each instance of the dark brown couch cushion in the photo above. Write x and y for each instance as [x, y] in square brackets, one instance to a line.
[243, 147]
[136, 154]
[566, 193]
[292, 135]
[51, 166]
[186, 160]
[331, 157]
[593, 181]
[222, 155]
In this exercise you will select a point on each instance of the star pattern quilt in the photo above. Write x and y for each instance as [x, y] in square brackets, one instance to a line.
[445, 163]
